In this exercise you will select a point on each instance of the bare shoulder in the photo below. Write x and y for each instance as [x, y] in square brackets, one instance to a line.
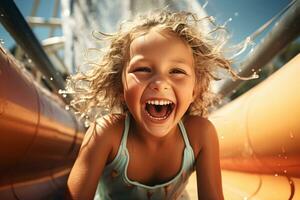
[200, 131]
[109, 125]
[105, 131]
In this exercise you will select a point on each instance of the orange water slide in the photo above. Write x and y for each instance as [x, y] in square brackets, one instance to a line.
[259, 136]
[39, 139]
[260, 130]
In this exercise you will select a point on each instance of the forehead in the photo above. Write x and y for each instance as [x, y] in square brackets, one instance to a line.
[163, 43]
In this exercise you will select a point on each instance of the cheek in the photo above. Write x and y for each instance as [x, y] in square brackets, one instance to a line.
[186, 88]
[132, 89]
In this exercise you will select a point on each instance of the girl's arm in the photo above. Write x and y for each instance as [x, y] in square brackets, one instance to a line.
[208, 164]
[92, 157]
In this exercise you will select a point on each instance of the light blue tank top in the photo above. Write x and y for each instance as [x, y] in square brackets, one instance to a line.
[115, 185]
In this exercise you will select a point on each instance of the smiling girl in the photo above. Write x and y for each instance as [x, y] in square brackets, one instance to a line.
[154, 80]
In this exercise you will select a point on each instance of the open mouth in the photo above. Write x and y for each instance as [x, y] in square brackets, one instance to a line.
[159, 109]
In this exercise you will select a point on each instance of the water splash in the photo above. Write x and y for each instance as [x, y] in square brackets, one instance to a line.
[205, 4]
[242, 46]
[67, 107]
[87, 123]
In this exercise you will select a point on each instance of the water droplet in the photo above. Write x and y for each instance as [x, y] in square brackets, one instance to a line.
[211, 18]
[86, 123]
[60, 91]
[82, 115]
[236, 14]
[2, 15]
[1, 41]
[29, 61]
[230, 19]
[255, 75]
[51, 78]
[279, 155]
[285, 171]
[67, 107]
[233, 91]
[275, 174]
[291, 135]
[253, 70]
[205, 4]
[259, 70]
[222, 137]
[283, 149]
[64, 95]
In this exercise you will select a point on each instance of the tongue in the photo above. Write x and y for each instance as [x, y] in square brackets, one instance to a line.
[158, 111]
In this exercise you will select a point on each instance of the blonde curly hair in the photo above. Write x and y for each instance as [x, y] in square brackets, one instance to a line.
[102, 85]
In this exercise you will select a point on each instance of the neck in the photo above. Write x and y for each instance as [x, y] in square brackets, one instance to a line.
[149, 139]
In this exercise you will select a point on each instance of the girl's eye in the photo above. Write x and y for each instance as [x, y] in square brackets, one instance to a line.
[177, 71]
[142, 69]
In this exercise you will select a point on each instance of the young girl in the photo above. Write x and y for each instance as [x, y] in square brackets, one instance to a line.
[156, 74]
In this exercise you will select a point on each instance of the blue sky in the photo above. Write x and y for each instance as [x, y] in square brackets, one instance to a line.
[247, 15]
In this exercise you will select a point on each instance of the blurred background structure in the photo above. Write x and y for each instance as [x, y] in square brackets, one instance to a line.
[42, 42]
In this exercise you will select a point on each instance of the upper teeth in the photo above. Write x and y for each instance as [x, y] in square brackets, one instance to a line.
[159, 102]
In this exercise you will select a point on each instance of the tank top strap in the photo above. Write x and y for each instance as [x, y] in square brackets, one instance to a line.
[125, 133]
[126, 130]
[184, 134]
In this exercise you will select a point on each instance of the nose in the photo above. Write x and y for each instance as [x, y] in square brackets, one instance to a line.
[159, 85]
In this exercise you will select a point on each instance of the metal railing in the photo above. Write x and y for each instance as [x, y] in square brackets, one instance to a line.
[16, 25]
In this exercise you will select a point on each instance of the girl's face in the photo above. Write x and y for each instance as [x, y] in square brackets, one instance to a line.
[158, 81]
